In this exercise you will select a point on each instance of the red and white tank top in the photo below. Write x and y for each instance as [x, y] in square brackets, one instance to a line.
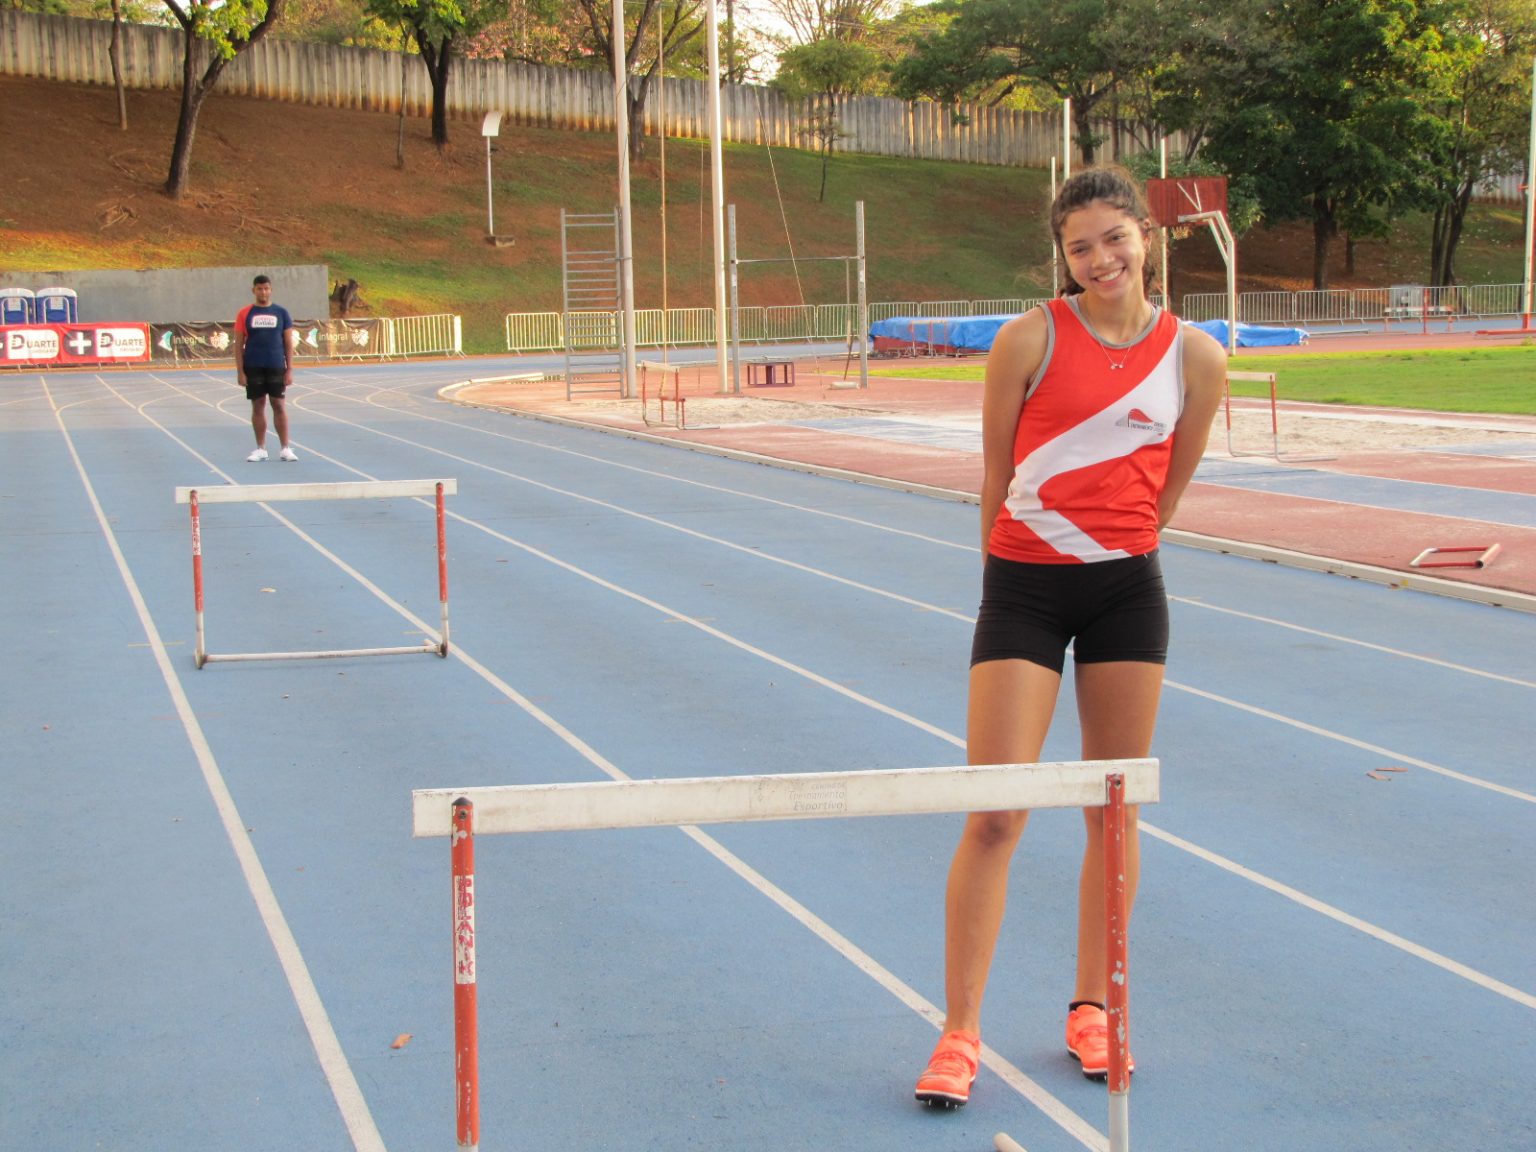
[1093, 442]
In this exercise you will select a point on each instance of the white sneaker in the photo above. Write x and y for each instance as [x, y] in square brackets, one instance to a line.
[257, 456]
[287, 454]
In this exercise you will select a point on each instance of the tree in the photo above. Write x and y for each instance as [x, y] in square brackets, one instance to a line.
[681, 23]
[992, 47]
[440, 29]
[1484, 119]
[214, 32]
[822, 72]
[1332, 125]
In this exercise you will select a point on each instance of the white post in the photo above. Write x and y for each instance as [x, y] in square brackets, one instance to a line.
[1530, 207]
[1163, 171]
[626, 234]
[858, 217]
[1055, 271]
[1066, 139]
[716, 184]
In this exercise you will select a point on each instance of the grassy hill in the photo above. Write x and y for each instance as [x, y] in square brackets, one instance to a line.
[283, 183]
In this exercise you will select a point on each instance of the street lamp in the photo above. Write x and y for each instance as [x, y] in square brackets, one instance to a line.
[489, 127]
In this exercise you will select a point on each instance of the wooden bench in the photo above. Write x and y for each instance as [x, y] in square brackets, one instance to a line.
[775, 373]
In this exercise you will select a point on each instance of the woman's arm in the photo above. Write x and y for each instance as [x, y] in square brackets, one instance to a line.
[1016, 355]
[1205, 375]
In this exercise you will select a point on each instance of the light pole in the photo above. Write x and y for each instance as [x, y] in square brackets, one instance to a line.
[489, 127]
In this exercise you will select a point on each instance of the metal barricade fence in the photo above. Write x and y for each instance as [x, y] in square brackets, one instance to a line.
[425, 335]
[1371, 303]
[534, 331]
[1494, 299]
[945, 308]
[1266, 307]
[692, 325]
[751, 324]
[1004, 307]
[789, 321]
[1200, 306]
[890, 308]
[836, 321]
[1324, 306]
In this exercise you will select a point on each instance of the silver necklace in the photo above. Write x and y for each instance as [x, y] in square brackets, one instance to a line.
[1114, 366]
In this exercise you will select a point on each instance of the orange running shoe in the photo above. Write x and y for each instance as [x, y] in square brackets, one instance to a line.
[1088, 1041]
[946, 1082]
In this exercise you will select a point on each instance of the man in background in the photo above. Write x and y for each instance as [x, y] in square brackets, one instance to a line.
[264, 344]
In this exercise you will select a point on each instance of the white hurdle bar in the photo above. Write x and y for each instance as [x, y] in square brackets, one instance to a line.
[346, 490]
[459, 813]
[1274, 409]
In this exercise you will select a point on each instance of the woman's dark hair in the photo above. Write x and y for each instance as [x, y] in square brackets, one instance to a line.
[1115, 187]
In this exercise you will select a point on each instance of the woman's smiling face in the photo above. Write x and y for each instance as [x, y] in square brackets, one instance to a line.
[1105, 249]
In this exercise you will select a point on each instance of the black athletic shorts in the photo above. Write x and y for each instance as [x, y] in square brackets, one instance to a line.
[264, 382]
[1109, 610]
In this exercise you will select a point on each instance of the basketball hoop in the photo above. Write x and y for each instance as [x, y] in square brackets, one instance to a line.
[1172, 197]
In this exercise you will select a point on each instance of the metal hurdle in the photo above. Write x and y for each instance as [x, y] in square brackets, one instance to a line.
[349, 490]
[459, 814]
[1274, 409]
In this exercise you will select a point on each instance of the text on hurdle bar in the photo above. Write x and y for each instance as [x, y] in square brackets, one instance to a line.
[788, 796]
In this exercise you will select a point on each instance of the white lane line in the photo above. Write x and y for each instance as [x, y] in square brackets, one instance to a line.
[932, 730]
[1334, 636]
[886, 529]
[1428, 766]
[1054, 1109]
[1439, 960]
[333, 1061]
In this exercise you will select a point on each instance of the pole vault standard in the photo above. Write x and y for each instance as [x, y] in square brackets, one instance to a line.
[350, 490]
[461, 813]
[857, 261]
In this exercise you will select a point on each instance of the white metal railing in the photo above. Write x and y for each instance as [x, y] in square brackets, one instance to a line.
[1356, 305]
[534, 332]
[543, 331]
[440, 334]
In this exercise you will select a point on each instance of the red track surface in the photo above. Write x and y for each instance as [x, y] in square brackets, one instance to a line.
[1323, 528]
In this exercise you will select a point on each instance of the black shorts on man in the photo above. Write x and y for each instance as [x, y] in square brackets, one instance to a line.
[265, 382]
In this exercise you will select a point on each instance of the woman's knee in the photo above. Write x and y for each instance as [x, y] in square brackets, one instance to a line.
[992, 830]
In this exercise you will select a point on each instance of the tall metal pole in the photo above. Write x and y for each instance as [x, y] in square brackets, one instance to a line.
[1530, 207]
[1163, 172]
[735, 299]
[716, 185]
[1066, 139]
[858, 216]
[626, 235]
[1055, 270]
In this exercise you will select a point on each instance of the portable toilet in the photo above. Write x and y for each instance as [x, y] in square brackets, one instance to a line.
[15, 306]
[56, 306]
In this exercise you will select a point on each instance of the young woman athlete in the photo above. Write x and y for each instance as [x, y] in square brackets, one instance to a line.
[1096, 410]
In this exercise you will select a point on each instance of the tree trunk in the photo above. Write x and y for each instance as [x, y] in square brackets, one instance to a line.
[1456, 219]
[1081, 111]
[1349, 254]
[439, 59]
[1324, 228]
[193, 93]
[400, 129]
[114, 50]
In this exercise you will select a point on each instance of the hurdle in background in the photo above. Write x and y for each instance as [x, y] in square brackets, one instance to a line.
[1274, 409]
[460, 813]
[661, 371]
[350, 490]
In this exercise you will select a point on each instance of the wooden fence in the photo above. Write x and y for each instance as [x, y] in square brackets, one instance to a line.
[69, 49]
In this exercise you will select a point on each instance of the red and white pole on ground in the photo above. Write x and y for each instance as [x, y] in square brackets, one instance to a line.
[442, 571]
[199, 653]
[465, 1021]
[1117, 999]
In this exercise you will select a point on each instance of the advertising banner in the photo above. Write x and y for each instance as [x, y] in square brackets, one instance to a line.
[56, 345]
[316, 340]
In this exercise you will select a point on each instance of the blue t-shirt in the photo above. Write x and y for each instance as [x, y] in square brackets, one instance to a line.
[264, 327]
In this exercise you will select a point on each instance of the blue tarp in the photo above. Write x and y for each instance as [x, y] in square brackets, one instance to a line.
[1253, 335]
[971, 332]
[976, 333]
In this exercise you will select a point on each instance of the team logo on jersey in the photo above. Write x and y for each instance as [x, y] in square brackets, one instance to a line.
[1141, 422]
[264, 320]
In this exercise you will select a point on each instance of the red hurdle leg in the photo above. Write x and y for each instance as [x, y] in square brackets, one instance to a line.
[1117, 1000]
[199, 652]
[465, 1021]
[442, 572]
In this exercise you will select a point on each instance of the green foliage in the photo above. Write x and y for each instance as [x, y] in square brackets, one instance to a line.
[827, 68]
